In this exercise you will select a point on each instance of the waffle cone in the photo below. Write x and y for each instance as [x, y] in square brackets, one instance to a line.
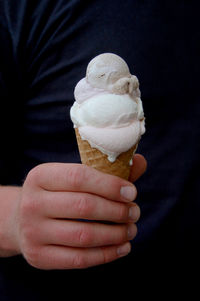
[93, 157]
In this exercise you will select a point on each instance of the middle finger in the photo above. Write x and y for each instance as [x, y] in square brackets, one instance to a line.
[74, 205]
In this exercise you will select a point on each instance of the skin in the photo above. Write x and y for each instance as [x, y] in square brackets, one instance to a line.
[43, 219]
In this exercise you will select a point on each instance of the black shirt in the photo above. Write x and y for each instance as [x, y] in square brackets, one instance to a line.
[45, 46]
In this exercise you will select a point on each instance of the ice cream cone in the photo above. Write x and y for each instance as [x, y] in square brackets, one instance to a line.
[93, 157]
[108, 115]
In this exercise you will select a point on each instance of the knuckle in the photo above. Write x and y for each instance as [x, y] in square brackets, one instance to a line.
[33, 255]
[85, 237]
[84, 206]
[79, 262]
[29, 205]
[75, 176]
[122, 213]
[78, 174]
[34, 174]
[38, 256]
[104, 256]
[28, 247]
[115, 185]
[28, 233]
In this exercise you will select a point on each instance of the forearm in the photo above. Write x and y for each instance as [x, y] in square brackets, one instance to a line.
[9, 198]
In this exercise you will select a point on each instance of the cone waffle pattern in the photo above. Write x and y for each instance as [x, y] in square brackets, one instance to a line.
[93, 157]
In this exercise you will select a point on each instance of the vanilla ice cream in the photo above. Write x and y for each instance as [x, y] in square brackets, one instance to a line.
[108, 110]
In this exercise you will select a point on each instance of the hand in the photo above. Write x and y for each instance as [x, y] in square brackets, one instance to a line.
[57, 197]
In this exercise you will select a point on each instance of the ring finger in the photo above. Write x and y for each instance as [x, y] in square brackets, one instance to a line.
[73, 205]
[86, 234]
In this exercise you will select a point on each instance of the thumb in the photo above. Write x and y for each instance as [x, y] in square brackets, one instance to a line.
[138, 168]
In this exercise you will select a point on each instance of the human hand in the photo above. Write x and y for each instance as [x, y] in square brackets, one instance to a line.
[57, 197]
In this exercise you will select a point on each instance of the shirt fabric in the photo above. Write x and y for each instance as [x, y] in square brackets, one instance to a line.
[45, 46]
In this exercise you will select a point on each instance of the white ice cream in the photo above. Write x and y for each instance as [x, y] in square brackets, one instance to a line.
[108, 110]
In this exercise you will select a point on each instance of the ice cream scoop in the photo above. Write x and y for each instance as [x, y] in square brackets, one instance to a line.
[108, 113]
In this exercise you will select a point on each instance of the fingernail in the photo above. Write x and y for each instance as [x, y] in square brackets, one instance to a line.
[131, 231]
[128, 192]
[124, 249]
[134, 213]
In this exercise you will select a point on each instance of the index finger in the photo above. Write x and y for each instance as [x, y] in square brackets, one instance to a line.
[82, 178]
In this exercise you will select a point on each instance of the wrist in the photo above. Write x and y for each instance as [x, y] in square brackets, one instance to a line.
[9, 199]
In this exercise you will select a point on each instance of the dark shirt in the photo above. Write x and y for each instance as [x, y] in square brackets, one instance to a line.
[45, 46]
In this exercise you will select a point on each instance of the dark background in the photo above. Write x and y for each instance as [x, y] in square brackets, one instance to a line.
[45, 47]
